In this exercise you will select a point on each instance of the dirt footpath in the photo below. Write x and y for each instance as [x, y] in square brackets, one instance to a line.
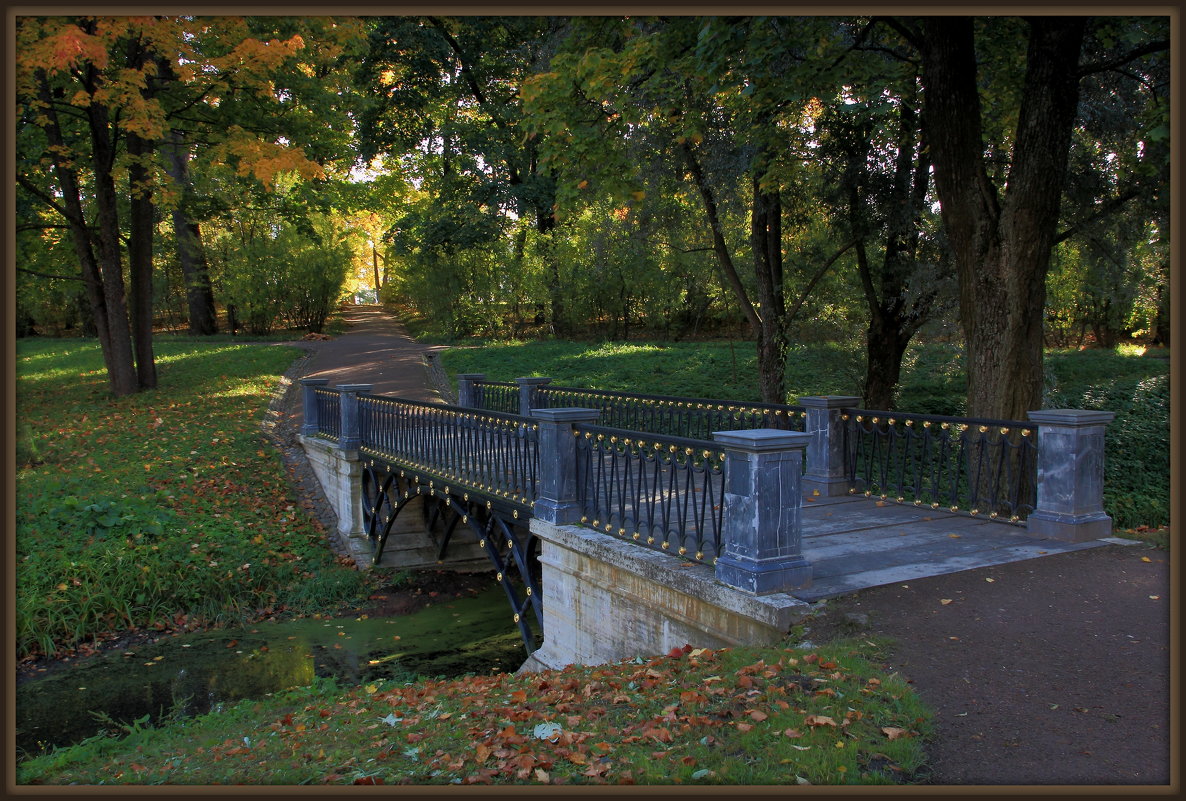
[1054, 670]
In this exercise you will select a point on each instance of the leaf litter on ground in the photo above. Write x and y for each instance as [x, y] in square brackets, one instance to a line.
[741, 716]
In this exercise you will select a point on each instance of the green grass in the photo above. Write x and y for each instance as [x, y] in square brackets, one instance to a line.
[1135, 387]
[746, 716]
[163, 509]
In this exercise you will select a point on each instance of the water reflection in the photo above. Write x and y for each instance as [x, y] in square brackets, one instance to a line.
[192, 674]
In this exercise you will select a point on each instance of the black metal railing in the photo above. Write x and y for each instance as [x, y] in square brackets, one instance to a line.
[497, 396]
[691, 418]
[329, 413]
[665, 493]
[484, 452]
[978, 466]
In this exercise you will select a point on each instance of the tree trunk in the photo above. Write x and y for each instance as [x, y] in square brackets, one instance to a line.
[885, 348]
[121, 367]
[1001, 246]
[375, 267]
[80, 234]
[142, 224]
[766, 247]
[545, 222]
[203, 320]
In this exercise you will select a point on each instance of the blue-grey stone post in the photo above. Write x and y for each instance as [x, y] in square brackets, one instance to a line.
[466, 394]
[827, 471]
[311, 420]
[556, 496]
[762, 534]
[1070, 475]
[350, 436]
[527, 387]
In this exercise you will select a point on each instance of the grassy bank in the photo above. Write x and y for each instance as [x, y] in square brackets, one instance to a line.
[165, 509]
[1134, 386]
[748, 716]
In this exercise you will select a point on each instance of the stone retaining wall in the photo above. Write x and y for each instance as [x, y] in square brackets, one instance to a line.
[606, 600]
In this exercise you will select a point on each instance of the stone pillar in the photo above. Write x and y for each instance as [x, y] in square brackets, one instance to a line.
[350, 437]
[309, 400]
[527, 393]
[762, 534]
[1070, 475]
[556, 497]
[465, 389]
[827, 471]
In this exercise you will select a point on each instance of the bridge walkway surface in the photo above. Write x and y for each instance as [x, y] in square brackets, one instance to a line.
[852, 542]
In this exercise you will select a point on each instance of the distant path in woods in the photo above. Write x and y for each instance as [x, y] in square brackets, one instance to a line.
[375, 349]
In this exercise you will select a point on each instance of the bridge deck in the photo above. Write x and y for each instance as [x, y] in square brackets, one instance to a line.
[854, 543]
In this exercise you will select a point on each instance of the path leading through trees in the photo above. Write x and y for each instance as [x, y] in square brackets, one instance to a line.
[1046, 671]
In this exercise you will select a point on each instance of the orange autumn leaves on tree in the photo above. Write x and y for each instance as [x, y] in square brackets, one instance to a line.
[53, 48]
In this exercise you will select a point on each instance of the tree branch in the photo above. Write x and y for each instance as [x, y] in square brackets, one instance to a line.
[912, 36]
[47, 275]
[36, 192]
[1107, 209]
[1132, 55]
[794, 310]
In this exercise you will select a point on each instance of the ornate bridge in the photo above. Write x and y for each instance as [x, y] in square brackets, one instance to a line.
[714, 484]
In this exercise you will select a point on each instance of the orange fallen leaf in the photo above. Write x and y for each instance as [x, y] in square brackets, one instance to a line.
[893, 732]
[819, 720]
[758, 715]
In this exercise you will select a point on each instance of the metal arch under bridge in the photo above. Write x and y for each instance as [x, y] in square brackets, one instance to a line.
[390, 486]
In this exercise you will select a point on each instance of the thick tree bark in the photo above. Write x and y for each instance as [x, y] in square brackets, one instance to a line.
[80, 234]
[203, 320]
[142, 224]
[121, 367]
[1001, 245]
[766, 247]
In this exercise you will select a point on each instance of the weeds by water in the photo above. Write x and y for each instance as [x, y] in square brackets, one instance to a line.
[162, 509]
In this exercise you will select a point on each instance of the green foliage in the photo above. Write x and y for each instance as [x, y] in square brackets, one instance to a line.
[157, 509]
[286, 276]
[746, 716]
[1137, 454]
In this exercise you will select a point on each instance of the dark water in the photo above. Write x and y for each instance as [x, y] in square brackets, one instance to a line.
[192, 674]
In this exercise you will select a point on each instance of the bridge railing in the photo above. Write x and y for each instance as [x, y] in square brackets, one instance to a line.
[691, 418]
[490, 453]
[663, 492]
[323, 415]
[496, 396]
[981, 466]
[1021, 472]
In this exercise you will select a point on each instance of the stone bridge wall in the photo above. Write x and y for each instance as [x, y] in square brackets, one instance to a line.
[607, 599]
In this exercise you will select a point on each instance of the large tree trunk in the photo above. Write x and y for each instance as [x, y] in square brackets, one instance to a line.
[142, 223]
[203, 320]
[1001, 246]
[766, 247]
[886, 346]
[121, 367]
[80, 234]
